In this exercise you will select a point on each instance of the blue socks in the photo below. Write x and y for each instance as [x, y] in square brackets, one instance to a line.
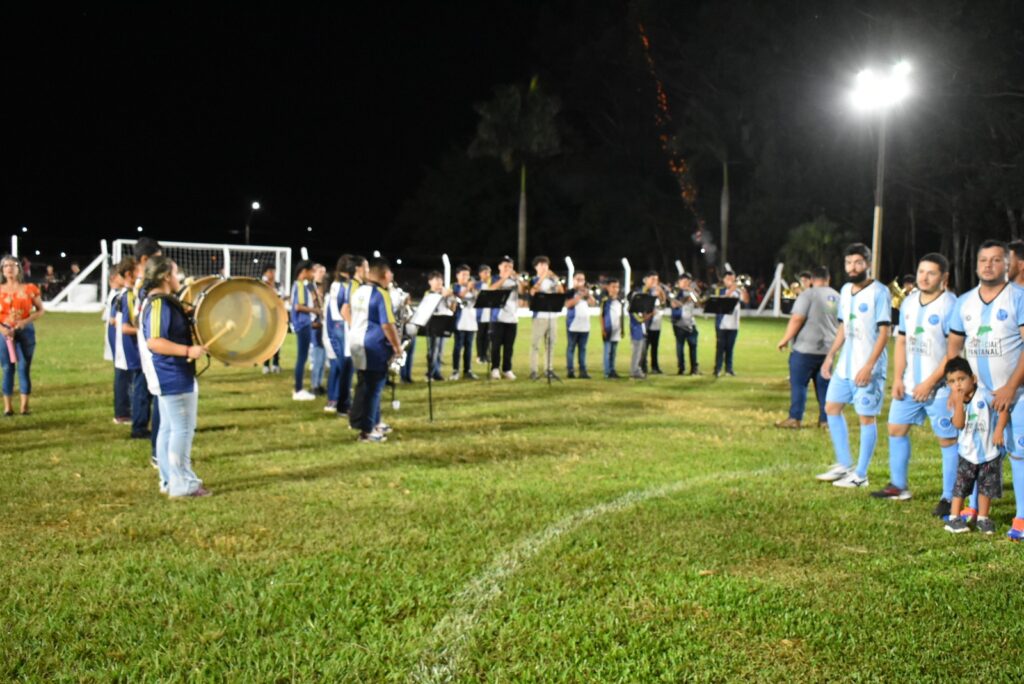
[840, 440]
[899, 460]
[950, 459]
[868, 437]
[1017, 471]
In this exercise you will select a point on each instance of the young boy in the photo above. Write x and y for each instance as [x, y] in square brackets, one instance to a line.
[980, 443]
[612, 315]
[466, 327]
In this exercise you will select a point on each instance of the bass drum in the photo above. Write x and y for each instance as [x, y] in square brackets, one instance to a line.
[242, 321]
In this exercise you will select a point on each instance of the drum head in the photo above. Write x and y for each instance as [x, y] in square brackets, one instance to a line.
[244, 320]
[188, 294]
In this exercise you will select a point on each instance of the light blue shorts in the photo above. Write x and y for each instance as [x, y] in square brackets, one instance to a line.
[1015, 438]
[867, 400]
[906, 411]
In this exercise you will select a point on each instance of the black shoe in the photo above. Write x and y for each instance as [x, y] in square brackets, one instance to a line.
[470, 375]
[680, 372]
[584, 375]
[694, 371]
[730, 373]
[571, 375]
[143, 434]
[656, 371]
[941, 509]
[406, 381]
[613, 375]
[319, 391]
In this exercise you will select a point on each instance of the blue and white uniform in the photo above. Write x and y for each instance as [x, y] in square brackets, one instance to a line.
[127, 347]
[577, 318]
[167, 375]
[980, 419]
[925, 329]
[371, 307]
[862, 314]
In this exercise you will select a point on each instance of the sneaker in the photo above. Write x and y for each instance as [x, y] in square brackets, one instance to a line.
[509, 375]
[968, 514]
[534, 376]
[851, 481]
[382, 428]
[893, 492]
[331, 407]
[584, 375]
[163, 488]
[319, 391]
[613, 375]
[695, 371]
[836, 472]
[275, 369]
[374, 437]
[266, 370]
[303, 395]
[142, 434]
[153, 462]
[638, 375]
[437, 377]
[823, 424]
[957, 526]
[454, 375]
[985, 526]
[730, 374]
[122, 420]
[788, 424]
[941, 509]
[570, 374]
[470, 375]
[495, 374]
[1016, 532]
[656, 371]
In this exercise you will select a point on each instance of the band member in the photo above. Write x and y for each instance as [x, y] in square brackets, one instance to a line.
[505, 321]
[483, 318]
[374, 343]
[318, 352]
[445, 307]
[356, 270]
[466, 327]
[125, 272]
[684, 325]
[638, 323]
[145, 249]
[812, 330]
[303, 310]
[988, 323]
[334, 332]
[577, 324]
[612, 323]
[859, 376]
[652, 286]
[543, 330]
[270, 279]
[727, 326]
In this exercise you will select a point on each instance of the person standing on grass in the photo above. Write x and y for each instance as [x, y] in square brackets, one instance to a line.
[125, 272]
[612, 324]
[859, 376]
[272, 365]
[652, 286]
[919, 389]
[374, 343]
[466, 327]
[171, 374]
[982, 432]
[543, 330]
[145, 249]
[356, 271]
[317, 351]
[812, 330]
[303, 310]
[727, 326]
[638, 323]
[20, 305]
[334, 333]
[577, 324]
[483, 318]
[128, 355]
[505, 321]
[988, 324]
[684, 326]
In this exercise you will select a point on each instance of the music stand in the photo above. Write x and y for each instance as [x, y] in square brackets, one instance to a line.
[438, 327]
[641, 303]
[493, 300]
[548, 302]
[721, 305]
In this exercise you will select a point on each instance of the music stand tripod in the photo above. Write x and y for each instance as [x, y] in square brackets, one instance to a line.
[437, 328]
[548, 302]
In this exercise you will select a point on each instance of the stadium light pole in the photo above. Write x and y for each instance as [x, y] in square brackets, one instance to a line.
[248, 221]
[874, 92]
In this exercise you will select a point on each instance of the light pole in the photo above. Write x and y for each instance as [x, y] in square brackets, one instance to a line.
[878, 93]
[248, 221]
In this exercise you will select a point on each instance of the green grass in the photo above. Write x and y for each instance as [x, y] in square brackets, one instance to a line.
[319, 559]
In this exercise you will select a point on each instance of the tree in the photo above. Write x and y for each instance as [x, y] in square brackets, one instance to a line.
[816, 243]
[517, 126]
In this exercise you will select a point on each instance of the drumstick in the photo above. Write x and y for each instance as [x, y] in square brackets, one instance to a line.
[228, 326]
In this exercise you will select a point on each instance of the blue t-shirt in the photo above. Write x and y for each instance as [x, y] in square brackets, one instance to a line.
[302, 294]
[130, 342]
[371, 307]
[174, 374]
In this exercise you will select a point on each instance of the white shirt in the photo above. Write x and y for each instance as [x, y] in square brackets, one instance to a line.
[730, 321]
[926, 329]
[547, 286]
[974, 442]
[509, 312]
[615, 313]
[579, 316]
[467, 317]
[862, 315]
[992, 333]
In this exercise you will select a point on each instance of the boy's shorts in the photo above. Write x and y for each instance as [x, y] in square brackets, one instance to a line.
[867, 401]
[989, 476]
[906, 411]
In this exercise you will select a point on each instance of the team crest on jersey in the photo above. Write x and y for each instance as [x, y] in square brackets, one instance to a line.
[1020, 441]
[1002, 315]
[934, 319]
[863, 308]
[946, 422]
[981, 404]
[865, 401]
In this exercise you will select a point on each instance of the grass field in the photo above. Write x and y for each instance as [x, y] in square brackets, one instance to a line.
[596, 530]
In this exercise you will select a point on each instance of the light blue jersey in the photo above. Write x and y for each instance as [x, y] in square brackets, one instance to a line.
[862, 314]
[991, 330]
[925, 328]
[975, 439]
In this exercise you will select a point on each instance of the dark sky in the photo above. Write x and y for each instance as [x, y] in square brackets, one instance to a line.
[177, 117]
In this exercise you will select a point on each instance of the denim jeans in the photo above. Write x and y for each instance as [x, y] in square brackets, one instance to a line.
[609, 357]
[365, 413]
[141, 401]
[463, 345]
[174, 444]
[684, 339]
[318, 357]
[435, 347]
[336, 335]
[302, 338]
[122, 394]
[802, 369]
[24, 347]
[577, 340]
[725, 342]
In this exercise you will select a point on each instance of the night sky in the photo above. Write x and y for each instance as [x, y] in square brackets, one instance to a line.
[176, 118]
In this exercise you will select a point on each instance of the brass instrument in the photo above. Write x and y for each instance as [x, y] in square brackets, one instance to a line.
[898, 295]
[744, 280]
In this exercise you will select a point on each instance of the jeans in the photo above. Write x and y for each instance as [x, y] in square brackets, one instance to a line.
[406, 373]
[276, 361]
[141, 401]
[365, 413]
[653, 337]
[463, 344]
[725, 341]
[577, 340]
[684, 339]
[302, 337]
[435, 347]
[24, 347]
[336, 335]
[483, 341]
[174, 444]
[122, 394]
[318, 356]
[802, 369]
[609, 357]
[503, 340]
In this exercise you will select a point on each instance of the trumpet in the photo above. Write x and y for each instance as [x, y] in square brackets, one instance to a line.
[744, 280]
[898, 295]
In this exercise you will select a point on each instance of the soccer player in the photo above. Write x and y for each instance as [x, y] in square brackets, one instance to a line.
[466, 327]
[505, 321]
[919, 388]
[612, 320]
[374, 342]
[988, 323]
[859, 376]
[577, 324]
[303, 309]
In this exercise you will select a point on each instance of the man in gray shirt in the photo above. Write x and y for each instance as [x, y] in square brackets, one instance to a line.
[812, 329]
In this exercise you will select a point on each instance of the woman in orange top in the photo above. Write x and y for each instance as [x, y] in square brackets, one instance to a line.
[20, 304]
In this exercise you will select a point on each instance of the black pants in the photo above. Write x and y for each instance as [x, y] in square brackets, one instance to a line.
[503, 338]
[653, 336]
[483, 341]
[725, 341]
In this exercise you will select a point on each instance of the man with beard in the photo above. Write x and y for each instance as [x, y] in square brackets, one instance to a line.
[859, 376]
[988, 322]
[919, 387]
[1016, 262]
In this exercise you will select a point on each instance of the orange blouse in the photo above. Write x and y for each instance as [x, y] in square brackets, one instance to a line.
[17, 306]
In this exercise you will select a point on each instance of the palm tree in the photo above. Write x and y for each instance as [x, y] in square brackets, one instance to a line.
[518, 126]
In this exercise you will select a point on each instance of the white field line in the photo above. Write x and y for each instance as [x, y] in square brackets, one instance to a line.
[440, 664]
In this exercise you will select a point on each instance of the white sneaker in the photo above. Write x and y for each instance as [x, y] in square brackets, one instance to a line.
[382, 428]
[303, 395]
[836, 472]
[275, 369]
[266, 370]
[509, 375]
[330, 407]
[454, 376]
[495, 374]
[851, 481]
